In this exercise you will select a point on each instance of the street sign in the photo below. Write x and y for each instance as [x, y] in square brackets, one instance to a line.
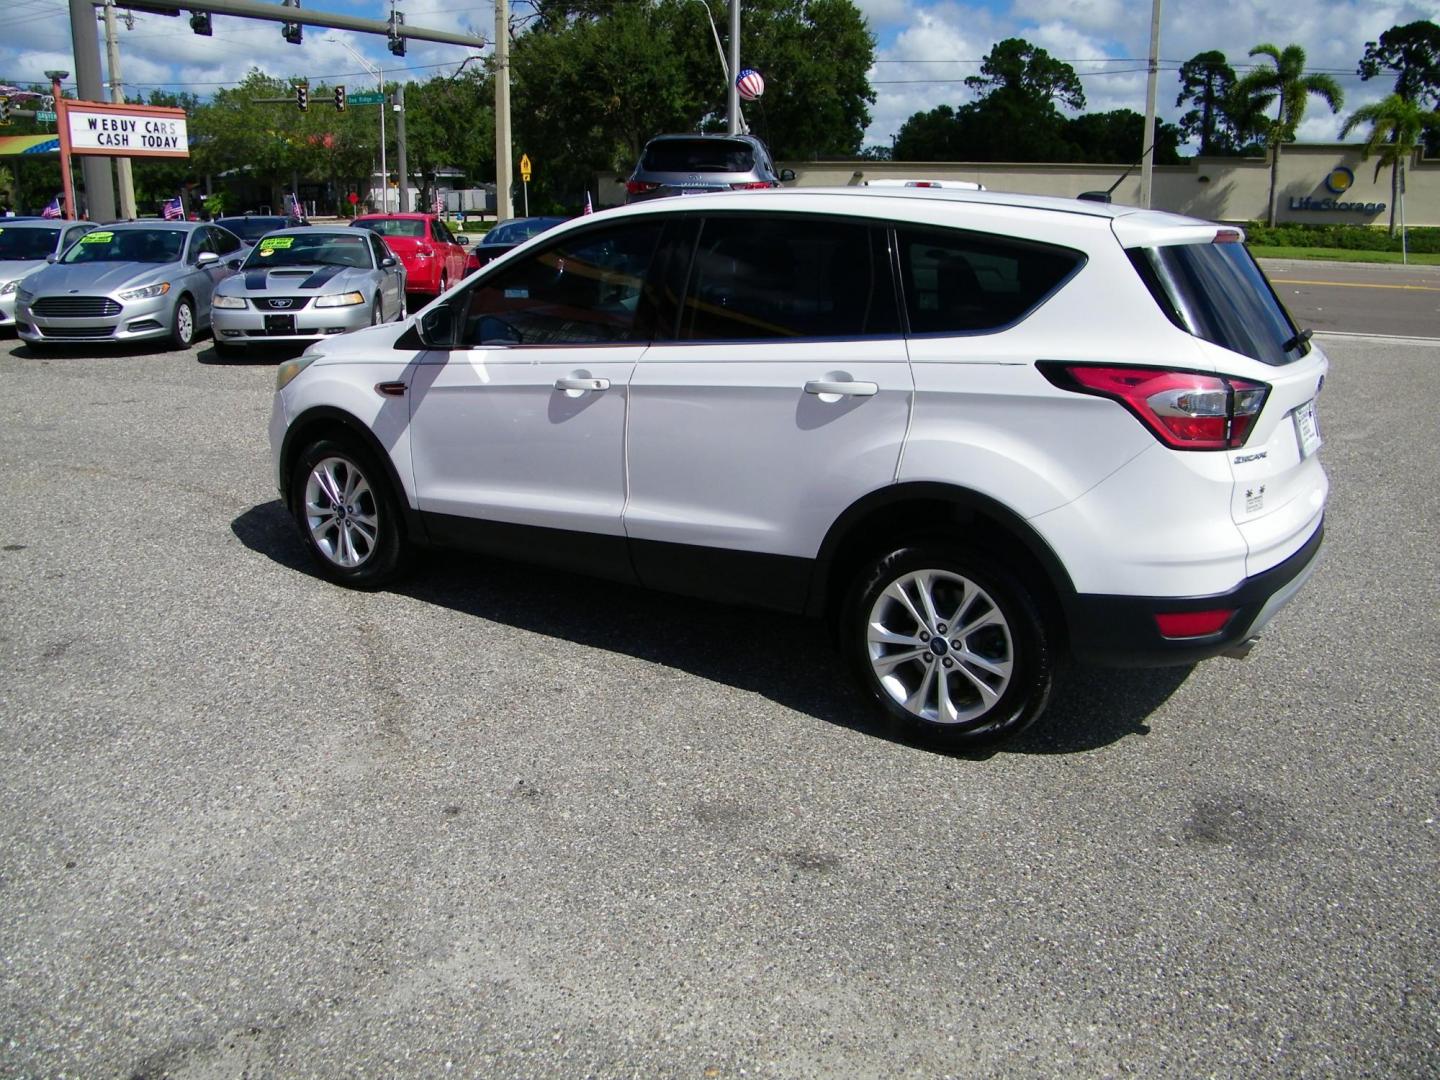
[45, 116]
[353, 198]
[365, 99]
[525, 167]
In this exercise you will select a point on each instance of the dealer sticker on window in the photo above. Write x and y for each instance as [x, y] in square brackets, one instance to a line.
[97, 238]
[1307, 428]
[270, 243]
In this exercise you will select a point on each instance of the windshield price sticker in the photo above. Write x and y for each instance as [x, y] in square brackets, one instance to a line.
[97, 238]
[272, 243]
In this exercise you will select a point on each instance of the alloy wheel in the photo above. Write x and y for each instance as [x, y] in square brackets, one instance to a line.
[341, 512]
[940, 647]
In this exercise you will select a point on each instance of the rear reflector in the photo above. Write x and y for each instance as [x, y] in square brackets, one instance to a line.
[1183, 624]
[1186, 410]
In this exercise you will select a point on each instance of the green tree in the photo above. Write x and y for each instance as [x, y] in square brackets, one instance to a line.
[1412, 52]
[1015, 117]
[1397, 125]
[450, 122]
[1117, 138]
[1223, 123]
[1287, 87]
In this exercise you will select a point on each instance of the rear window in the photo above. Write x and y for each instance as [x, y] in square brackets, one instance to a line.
[412, 227]
[964, 282]
[1219, 293]
[699, 155]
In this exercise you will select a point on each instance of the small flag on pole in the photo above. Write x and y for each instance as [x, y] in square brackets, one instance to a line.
[174, 209]
[292, 206]
[589, 209]
[53, 210]
[439, 202]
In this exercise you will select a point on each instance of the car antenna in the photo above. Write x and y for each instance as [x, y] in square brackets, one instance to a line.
[1104, 196]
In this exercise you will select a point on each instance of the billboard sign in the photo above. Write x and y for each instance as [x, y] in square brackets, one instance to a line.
[95, 127]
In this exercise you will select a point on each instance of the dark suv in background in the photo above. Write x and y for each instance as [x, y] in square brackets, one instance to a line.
[694, 164]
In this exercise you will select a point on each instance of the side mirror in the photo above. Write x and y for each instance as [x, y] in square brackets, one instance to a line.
[206, 258]
[438, 329]
[387, 262]
[462, 240]
[787, 175]
[52, 258]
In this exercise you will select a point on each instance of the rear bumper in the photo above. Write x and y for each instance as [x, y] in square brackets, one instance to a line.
[1120, 631]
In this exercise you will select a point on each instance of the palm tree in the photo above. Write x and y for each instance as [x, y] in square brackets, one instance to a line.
[1397, 127]
[1288, 85]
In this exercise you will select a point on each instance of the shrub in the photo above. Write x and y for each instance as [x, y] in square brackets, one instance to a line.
[1344, 237]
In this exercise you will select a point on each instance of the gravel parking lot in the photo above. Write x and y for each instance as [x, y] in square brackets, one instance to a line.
[504, 822]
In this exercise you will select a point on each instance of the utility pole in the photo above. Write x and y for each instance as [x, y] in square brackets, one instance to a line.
[123, 174]
[1147, 147]
[99, 184]
[503, 149]
[733, 124]
[400, 147]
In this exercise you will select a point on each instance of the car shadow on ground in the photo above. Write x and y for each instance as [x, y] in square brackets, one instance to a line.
[23, 350]
[785, 658]
[253, 355]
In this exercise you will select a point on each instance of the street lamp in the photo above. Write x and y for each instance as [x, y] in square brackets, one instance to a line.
[719, 51]
[379, 77]
[68, 186]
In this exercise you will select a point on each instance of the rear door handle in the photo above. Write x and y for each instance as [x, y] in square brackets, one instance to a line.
[845, 389]
[582, 384]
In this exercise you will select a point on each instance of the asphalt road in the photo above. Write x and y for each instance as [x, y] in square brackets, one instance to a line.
[504, 822]
[1360, 298]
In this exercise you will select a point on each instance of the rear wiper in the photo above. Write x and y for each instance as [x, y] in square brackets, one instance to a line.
[1299, 339]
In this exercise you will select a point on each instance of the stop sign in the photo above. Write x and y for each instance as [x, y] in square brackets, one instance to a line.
[353, 198]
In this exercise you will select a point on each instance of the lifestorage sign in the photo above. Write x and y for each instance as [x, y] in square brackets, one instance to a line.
[126, 130]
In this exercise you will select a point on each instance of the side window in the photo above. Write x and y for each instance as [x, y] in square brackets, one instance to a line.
[958, 282]
[378, 249]
[226, 243]
[71, 235]
[755, 277]
[585, 289]
[199, 241]
[441, 232]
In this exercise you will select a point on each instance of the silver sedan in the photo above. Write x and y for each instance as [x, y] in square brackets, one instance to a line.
[132, 281]
[27, 246]
[304, 284]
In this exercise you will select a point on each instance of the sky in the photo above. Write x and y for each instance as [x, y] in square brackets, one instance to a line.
[924, 48]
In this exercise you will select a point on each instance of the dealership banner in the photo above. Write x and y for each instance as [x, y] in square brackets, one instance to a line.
[95, 127]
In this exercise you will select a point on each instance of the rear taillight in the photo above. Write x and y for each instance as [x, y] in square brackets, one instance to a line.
[1186, 410]
[640, 187]
[1183, 624]
[749, 185]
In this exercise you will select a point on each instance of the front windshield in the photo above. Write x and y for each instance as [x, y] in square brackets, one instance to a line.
[253, 228]
[412, 227]
[27, 244]
[127, 245]
[310, 249]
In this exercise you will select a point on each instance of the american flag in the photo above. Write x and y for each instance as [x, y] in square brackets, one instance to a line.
[53, 210]
[588, 208]
[292, 205]
[174, 209]
[439, 203]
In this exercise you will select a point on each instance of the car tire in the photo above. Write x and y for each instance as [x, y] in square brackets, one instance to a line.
[964, 686]
[347, 513]
[377, 312]
[182, 324]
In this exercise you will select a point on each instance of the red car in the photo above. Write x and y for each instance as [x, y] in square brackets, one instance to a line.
[433, 257]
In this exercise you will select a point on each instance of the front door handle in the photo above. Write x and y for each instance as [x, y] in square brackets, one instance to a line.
[844, 389]
[582, 384]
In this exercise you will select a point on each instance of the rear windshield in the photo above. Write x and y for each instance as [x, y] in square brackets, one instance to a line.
[1219, 293]
[698, 155]
[413, 227]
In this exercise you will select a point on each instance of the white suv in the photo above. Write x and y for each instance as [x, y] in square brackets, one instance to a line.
[977, 431]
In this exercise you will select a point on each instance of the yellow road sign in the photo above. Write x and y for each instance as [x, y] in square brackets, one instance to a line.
[525, 167]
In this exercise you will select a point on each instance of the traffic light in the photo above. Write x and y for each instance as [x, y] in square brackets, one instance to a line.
[302, 97]
[340, 99]
[200, 23]
[397, 43]
[292, 31]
